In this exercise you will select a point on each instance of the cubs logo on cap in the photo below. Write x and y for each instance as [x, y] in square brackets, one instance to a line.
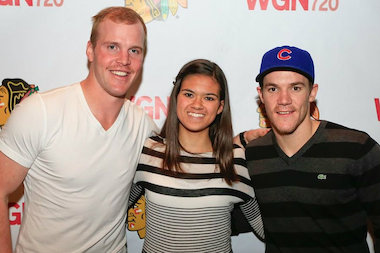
[287, 58]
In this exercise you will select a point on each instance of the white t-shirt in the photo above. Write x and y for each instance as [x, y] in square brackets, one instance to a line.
[77, 187]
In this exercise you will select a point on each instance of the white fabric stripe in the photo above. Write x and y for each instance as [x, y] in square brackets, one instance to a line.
[189, 230]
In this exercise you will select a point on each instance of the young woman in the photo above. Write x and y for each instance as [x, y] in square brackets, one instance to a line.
[192, 174]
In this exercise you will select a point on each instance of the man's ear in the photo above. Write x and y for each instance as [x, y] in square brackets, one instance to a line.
[259, 91]
[313, 93]
[90, 51]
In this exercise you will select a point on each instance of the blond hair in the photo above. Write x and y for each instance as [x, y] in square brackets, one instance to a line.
[119, 15]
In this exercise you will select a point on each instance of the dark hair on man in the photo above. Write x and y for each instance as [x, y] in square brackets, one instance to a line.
[220, 131]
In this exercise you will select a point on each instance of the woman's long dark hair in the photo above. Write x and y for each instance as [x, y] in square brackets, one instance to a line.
[220, 130]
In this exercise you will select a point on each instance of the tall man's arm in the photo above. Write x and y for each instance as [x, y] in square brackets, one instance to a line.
[11, 176]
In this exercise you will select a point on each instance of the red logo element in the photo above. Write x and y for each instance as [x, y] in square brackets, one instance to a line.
[37, 3]
[377, 104]
[284, 54]
[16, 213]
[156, 108]
[293, 5]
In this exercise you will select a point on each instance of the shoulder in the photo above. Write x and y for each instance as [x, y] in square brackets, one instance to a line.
[238, 151]
[334, 130]
[262, 141]
[154, 141]
[152, 153]
[138, 116]
[61, 93]
[154, 144]
[341, 134]
[135, 109]
[343, 141]
[261, 147]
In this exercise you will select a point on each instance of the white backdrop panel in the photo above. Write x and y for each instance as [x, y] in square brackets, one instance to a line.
[45, 46]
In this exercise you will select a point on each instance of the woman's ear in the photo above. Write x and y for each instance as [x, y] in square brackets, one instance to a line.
[221, 106]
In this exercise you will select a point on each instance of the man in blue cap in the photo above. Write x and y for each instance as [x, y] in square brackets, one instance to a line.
[317, 182]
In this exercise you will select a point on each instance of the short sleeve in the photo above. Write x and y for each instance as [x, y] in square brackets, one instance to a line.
[21, 137]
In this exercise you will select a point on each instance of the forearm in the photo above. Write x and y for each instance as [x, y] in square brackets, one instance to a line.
[5, 233]
[11, 176]
[245, 137]
[252, 213]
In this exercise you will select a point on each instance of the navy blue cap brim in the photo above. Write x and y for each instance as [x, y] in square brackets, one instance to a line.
[260, 77]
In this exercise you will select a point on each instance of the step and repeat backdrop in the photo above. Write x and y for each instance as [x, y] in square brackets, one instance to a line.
[43, 46]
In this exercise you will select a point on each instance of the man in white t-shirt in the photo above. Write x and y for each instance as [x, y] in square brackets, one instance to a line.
[76, 148]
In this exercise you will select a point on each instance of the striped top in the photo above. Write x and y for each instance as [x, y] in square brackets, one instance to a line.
[191, 211]
[319, 199]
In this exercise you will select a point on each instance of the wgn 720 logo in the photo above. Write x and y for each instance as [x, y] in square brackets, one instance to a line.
[286, 5]
[37, 3]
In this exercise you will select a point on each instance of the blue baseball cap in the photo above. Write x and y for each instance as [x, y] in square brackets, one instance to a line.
[287, 58]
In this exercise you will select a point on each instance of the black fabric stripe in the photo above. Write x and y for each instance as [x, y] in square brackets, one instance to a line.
[340, 149]
[151, 152]
[371, 177]
[317, 211]
[135, 194]
[155, 170]
[157, 139]
[373, 208]
[244, 180]
[240, 161]
[320, 240]
[194, 193]
[332, 125]
[302, 179]
[260, 153]
[197, 160]
[235, 146]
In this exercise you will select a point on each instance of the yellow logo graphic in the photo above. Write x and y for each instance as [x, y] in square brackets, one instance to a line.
[136, 217]
[263, 119]
[12, 92]
[155, 9]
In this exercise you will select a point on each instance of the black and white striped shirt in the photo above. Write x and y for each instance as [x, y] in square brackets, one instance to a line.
[191, 211]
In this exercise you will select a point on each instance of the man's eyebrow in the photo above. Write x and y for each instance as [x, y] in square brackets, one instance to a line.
[298, 83]
[293, 83]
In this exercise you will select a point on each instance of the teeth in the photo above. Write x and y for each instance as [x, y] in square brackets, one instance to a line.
[283, 112]
[2, 104]
[197, 115]
[119, 73]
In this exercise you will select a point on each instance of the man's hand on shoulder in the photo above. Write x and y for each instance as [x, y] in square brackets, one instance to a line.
[245, 137]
